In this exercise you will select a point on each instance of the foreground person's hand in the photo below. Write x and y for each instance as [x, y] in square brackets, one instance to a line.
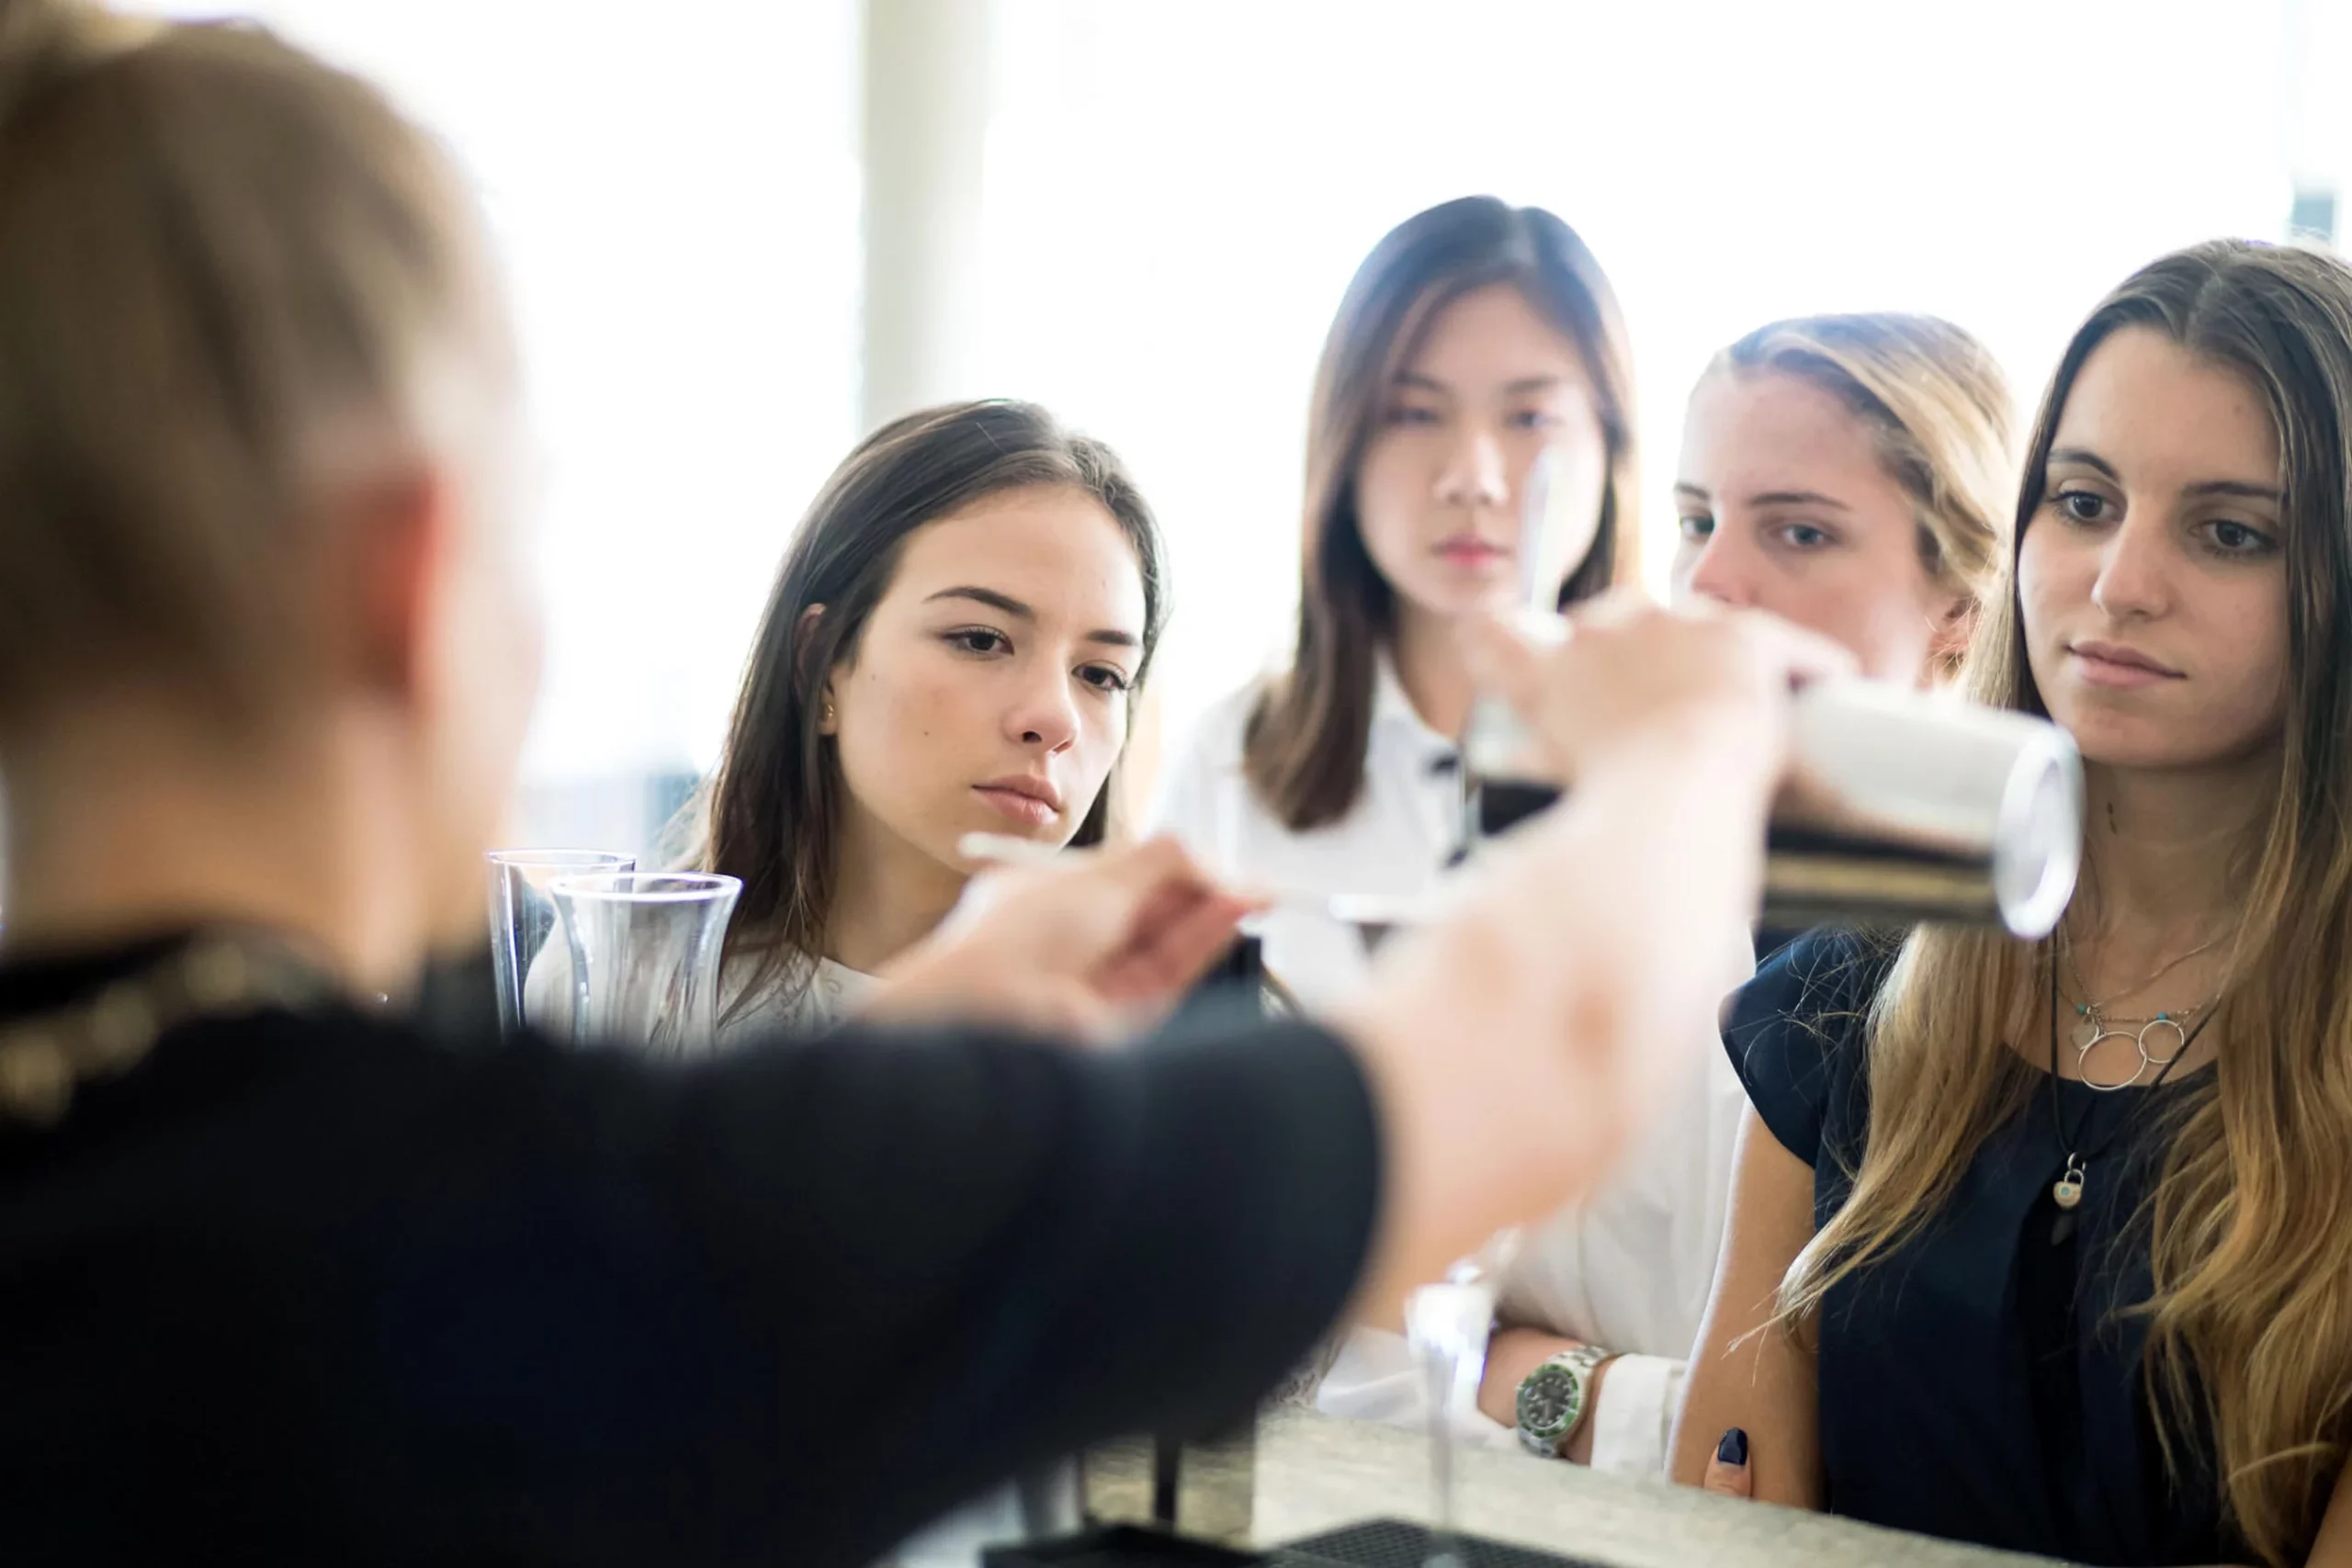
[1631, 675]
[1521, 1040]
[1095, 945]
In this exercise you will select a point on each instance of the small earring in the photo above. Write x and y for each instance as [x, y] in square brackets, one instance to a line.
[826, 716]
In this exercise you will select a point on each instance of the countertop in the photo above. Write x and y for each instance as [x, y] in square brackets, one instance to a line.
[1315, 1474]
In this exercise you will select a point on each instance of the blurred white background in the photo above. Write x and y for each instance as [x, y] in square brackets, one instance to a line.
[1166, 202]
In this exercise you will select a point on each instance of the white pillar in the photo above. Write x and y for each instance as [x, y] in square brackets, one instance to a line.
[2314, 120]
[926, 66]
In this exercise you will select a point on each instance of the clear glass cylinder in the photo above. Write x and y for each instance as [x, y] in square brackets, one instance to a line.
[522, 919]
[645, 948]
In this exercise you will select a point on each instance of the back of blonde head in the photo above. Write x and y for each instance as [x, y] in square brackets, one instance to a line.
[226, 274]
[1939, 409]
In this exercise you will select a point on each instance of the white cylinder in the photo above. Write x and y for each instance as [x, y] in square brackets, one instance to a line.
[1902, 803]
[1878, 762]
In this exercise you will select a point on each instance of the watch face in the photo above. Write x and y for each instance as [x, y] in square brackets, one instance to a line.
[1551, 1400]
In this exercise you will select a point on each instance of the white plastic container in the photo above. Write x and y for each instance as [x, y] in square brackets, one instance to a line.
[1902, 806]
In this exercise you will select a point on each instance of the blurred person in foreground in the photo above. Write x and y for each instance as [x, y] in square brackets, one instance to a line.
[287, 1279]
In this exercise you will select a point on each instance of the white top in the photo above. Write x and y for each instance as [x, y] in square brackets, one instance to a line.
[832, 994]
[1394, 842]
[1629, 1269]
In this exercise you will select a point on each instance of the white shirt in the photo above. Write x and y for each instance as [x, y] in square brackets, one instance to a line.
[832, 993]
[1629, 1269]
[1394, 842]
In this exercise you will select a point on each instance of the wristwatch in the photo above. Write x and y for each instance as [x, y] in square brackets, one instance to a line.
[1555, 1399]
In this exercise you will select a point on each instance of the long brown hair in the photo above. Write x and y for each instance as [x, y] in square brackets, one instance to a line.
[772, 814]
[1303, 753]
[226, 270]
[2250, 1325]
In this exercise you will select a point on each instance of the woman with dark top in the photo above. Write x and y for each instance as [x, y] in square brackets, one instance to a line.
[2039, 1245]
[284, 1277]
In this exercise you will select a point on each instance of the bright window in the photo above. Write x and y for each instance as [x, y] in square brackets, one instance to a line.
[1176, 197]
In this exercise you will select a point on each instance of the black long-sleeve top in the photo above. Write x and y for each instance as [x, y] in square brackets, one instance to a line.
[321, 1289]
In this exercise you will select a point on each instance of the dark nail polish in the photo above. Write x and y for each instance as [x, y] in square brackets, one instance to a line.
[1733, 1450]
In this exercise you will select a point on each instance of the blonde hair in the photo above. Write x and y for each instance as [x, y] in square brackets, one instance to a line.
[225, 270]
[2250, 1323]
[1938, 409]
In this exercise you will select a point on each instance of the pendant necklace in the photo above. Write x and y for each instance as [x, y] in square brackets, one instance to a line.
[2067, 1190]
[2097, 1028]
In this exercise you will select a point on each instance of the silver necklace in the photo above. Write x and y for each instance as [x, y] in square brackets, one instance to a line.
[2096, 1026]
[2067, 946]
[2067, 1192]
[2097, 1029]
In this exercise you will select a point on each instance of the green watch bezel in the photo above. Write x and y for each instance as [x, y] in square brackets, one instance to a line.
[1553, 1399]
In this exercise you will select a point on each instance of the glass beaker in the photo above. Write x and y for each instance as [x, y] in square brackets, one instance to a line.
[522, 918]
[645, 948]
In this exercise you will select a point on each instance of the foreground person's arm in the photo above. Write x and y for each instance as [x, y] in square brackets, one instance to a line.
[1519, 1045]
[809, 1297]
[1560, 1013]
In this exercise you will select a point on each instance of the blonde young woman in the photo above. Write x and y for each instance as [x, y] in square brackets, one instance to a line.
[2042, 1247]
[1851, 473]
[292, 1278]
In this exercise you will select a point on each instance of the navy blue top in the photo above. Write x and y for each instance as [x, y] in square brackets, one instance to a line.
[1983, 1383]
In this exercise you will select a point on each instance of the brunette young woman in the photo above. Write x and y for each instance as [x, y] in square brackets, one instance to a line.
[2038, 1245]
[1474, 337]
[954, 645]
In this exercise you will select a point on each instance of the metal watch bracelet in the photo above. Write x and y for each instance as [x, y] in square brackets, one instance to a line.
[1554, 1401]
